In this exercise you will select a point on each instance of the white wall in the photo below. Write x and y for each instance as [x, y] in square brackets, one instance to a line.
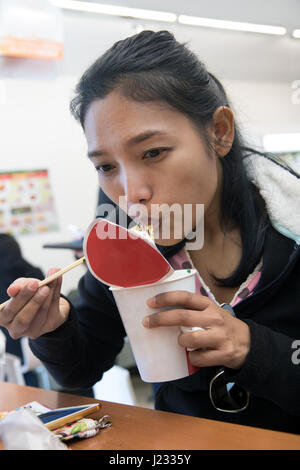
[264, 107]
[37, 130]
[39, 133]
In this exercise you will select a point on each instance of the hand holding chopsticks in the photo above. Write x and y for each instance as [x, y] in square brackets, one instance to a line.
[52, 277]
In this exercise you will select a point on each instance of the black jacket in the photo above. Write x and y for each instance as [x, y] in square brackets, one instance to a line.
[78, 352]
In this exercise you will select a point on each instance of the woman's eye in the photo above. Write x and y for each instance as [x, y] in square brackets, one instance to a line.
[103, 168]
[154, 153]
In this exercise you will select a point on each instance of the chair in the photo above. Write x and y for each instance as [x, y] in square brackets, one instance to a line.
[13, 370]
[115, 386]
[32, 363]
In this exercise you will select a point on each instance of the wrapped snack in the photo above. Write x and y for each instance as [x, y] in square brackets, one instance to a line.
[82, 429]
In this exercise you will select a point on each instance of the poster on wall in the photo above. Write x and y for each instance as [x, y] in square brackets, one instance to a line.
[26, 203]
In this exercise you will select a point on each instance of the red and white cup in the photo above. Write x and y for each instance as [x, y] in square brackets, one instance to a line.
[135, 270]
[159, 356]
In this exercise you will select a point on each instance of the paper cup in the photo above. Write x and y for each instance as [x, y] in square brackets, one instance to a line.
[158, 355]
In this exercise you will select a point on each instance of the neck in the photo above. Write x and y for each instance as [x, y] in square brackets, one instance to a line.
[212, 216]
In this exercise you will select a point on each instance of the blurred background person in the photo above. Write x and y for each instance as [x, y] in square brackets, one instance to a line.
[14, 266]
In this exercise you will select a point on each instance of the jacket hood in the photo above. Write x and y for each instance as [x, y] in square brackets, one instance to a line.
[279, 186]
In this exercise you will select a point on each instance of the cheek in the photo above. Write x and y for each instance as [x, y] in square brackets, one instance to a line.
[190, 187]
[111, 187]
[197, 181]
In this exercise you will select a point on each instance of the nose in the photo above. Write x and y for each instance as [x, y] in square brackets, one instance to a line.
[136, 187]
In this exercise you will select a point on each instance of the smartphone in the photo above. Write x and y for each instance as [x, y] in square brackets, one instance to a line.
[60, 416]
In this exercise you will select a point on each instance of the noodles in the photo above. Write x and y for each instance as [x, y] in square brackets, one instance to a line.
[146, 229]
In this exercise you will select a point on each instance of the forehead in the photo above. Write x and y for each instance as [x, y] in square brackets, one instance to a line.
[123, 117]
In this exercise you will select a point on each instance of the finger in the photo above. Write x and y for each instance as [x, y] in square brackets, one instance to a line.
[17, 285]
[201, 339]
[184, 317]
[27, 289]
[55, 286]
[51, 287]
[34, 304]
[49, 291]
[20, 324]
[179, 298]
[52, 271]
[206, 358]
[57, 290]
[21, 291]
[40, 320]
[38, 325]
[22, 320]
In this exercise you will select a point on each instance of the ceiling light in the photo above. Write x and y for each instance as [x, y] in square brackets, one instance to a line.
[115, 10]
[282, 142]
[232, 25]
[296, 33]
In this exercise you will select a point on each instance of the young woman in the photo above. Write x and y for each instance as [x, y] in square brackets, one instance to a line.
[160, 129]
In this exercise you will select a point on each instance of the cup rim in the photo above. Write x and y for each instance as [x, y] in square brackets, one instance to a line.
[189, 271]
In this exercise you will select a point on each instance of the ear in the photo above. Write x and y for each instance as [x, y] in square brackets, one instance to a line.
[222, 130]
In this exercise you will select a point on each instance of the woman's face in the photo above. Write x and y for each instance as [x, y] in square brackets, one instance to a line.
[153, 155]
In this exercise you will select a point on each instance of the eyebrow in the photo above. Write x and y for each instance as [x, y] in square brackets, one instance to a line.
[95, 153]
[134, 140]
[144, 136]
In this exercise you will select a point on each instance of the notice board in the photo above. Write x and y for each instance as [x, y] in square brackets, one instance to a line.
[26, 202]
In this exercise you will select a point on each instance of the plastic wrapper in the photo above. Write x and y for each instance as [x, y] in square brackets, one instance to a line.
[22, 430]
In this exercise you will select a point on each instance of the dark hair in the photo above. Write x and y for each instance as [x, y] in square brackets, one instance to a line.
[153, 66]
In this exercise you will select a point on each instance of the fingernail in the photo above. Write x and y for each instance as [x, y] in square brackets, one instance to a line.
[151, 302]
[44, 291]
[9, 287]
[146, 322]
[32, 285]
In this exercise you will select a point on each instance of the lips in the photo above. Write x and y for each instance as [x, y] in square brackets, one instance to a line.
[154, 222]
[148, 221]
